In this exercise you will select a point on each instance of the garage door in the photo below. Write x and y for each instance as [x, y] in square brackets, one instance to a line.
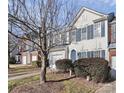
[24, 60]
[56, 56]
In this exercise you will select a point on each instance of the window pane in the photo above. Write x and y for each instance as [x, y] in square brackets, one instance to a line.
[113, 31]
[73, 36]
[94, 54]
[103, 54]
[79, 55]
[103, 29]
[97, 30]
[88, 32]
[83, 54]
[88, 54]
[78, 35]
[91, 29]
[91, 53]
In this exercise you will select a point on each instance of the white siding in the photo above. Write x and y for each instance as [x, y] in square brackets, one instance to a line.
[86, 19]
[97, 43]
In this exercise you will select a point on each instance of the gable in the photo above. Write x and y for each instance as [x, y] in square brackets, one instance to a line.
[86, 17]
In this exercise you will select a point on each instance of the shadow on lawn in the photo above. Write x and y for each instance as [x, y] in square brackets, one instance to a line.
[61, 79]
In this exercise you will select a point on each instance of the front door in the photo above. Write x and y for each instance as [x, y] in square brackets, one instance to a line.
[73, 55]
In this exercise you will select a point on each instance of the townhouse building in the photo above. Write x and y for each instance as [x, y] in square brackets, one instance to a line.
[90, 34]
[112, 47]
[90, 37]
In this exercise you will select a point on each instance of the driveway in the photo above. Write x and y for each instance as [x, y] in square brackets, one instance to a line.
[108, 88]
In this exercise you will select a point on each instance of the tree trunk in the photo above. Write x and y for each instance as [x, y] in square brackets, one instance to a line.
[8, 58]
[43, 70]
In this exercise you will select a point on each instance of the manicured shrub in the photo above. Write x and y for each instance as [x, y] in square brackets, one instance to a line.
[12, 60]
[37, 64]
[64, 64]
[96, 68]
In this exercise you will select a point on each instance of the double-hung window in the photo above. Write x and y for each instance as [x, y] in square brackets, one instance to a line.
[78, 35]
[73, 36]
[90, 54]
[113, 33]
[79, 55]
[103, 54]
[97, 30]
[90, 32]
[83, 54]
[64, 38]
[84, 33]
[102, 28]
[91, 29]
[96, 53]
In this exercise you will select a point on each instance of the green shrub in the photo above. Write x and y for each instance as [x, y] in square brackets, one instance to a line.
[96, 68]
[64, 64]
[37, 64]
[12, 60]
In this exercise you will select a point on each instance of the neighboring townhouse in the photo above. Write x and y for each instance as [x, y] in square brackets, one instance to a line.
[60, 47]
[90, 37]
[13, 48]
[57, 42]
[112, 46]
[112, 41]
[29, 53]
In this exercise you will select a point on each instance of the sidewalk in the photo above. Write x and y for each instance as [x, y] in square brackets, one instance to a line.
[18, 65]
[22, 73]
[108, 88]
[23, 76]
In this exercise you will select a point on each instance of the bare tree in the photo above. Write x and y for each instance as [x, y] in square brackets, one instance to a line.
[12, 44]
[40, 18]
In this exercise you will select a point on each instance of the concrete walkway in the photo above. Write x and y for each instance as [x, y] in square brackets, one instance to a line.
[23, 76]
[108, 88]
[18, 65]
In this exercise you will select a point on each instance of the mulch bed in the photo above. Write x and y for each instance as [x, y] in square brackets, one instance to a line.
[35, 87]
[53, 86]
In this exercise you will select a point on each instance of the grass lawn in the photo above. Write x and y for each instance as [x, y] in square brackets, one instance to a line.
[14, 83]
[73, 85]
